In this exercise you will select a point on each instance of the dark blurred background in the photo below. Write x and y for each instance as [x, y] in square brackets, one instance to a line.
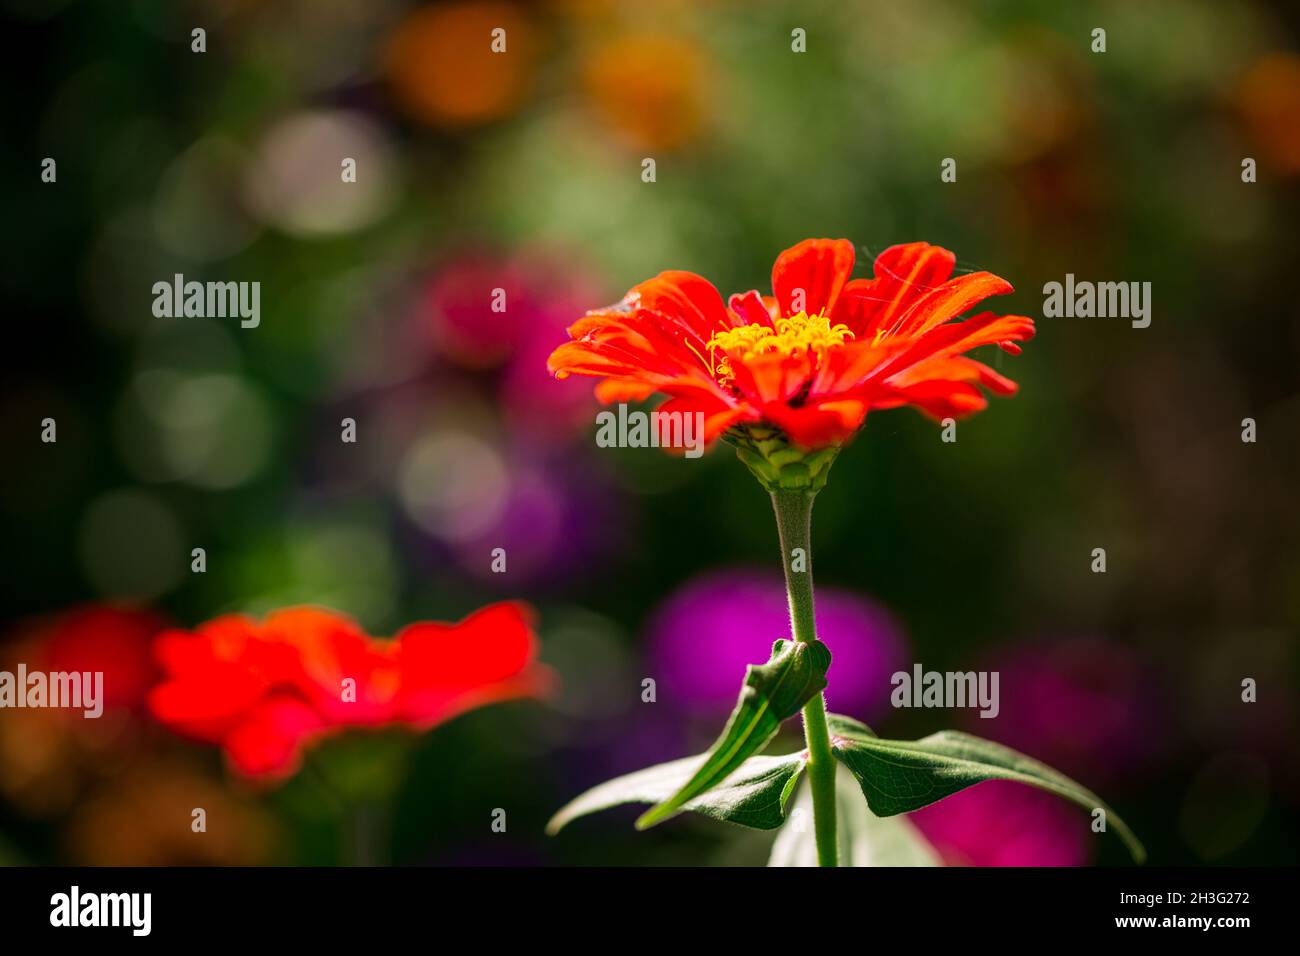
[522, 171]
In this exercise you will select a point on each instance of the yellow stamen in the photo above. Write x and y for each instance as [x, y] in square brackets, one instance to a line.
[791, 336]
[703, 360]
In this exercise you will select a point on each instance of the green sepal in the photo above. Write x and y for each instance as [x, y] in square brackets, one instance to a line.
[773, 692]
[778, 464]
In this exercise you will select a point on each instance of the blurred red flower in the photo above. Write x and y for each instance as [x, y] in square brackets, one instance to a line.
[266, 690]
[108, 639]
[813, 358]
[47, 755]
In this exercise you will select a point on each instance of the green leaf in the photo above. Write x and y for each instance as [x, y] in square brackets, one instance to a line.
[772, 693]
[865, 839]
[753, 796]
[902, 775]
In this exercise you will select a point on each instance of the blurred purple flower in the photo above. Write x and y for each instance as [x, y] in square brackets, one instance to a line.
[705, 633]
[1000, 823]
[554, 516]
[557, 518]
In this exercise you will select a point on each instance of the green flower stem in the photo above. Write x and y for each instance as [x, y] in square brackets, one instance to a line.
[360, 822]
[793, 508]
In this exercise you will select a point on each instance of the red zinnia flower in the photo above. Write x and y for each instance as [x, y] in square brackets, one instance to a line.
[49, 756]
[264, 691]
[112, 640]
[812, 359]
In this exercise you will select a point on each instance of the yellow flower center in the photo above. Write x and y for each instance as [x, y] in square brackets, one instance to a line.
[792, 337]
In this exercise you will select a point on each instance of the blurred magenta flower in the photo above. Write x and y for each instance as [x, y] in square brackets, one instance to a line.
[507, 312]
[471, 323]
[737, 613]
[1084, 705]
[1000, 823]
[483, 304]
[529, 396]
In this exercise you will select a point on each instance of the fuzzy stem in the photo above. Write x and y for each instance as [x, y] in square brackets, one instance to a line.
[794, 526]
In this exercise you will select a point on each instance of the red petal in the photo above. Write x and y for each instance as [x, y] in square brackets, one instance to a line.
[903, 273]
[750, 309]
[949, 301]
[686, 298]
[771, 377]
[820, 425]
[270, 742]
[845, 367]
[938, 399]
[958, 368]
[953, 339]
[819, 267]
[718, 416]
[641, 346]
[448, 667]
[611, 390]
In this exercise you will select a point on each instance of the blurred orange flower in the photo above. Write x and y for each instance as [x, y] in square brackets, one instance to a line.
[648, 88]
[1269, 101]
[813, 358]
[266, 690]
[144, 817]
[443, 69]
